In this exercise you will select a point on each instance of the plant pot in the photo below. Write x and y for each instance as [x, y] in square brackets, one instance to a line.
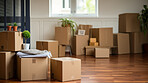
[15, 28]
[26, 46]
[9, 28]
[145, 48]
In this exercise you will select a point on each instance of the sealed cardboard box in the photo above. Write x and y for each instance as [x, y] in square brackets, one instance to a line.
[11, 41]
[79, 42]
[90, 50]
[63, 35]
[92, 39]
[7, 65]
[128, 22]
[93, 44]
[102, 52]
[62, 50]
[121, 40]
[86, 28]
[50, 45]
[104, 36]
[32, 68]
[136, 41]
[66, 69]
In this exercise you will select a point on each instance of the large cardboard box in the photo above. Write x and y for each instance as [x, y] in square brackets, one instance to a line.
[63, 35]
[62, 50]
[86, 28]
[102, 52]
[50, 45]
[32, 68]
[104, 36]
[136, 41]
[11, 41]
[79, 42]
[66, 69]
[128, 22]
[7, 65]
[121, 40]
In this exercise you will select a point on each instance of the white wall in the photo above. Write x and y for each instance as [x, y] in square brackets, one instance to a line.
[42, 27]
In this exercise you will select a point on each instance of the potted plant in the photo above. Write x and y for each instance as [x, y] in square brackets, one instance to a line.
[15, 26]
[69, 23]
[9, 27]
[26, 35]
[143, 18]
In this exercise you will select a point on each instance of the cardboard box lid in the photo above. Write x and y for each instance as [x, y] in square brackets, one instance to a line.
[46, 41]
[66, 59]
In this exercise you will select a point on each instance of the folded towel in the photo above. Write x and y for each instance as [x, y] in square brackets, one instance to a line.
[33, 51]
[25, 55]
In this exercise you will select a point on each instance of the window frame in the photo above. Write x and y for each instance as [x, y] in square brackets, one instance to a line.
[73, 10]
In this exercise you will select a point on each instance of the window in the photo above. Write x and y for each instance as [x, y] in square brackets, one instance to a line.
[75, 8]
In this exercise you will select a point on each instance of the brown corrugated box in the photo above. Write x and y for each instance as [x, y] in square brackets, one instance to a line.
[63, 35]
[121, 40]
[32, 68]
[62, 50]
[79, 42]
[90, 50]
[50, 45]
[85, 27]
[128, 22]
[93, 44]
[104, 36]
[102, 52]
[11, 41]
[136, 41]
[7, 65]
[66, 69]
[92, 39]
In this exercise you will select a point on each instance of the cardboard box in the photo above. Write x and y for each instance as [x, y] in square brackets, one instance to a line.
[90, 50]
[79, 42]
[63, 35]
[62, 50]
[86, 28]
[93, 44]
[121, 40]
[66, 69]
[136, 41]
[129, 22]
[102, 52]
[50, 45]
[92, 39]
[7, 65]
[32, 68]
[104, 36]
[11, 41]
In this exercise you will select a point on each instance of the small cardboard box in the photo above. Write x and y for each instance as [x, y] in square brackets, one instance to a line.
[86, 28]
[128, 22]
[102, 52]
[92, 39]
[32, 68]
[63, 35]
[90, 50]
[66, 69]
[62, 50]
[7, 65]
[136, 41]
[93, 44]
[121, 40]
[79, 42]
[50, 45]
[11, 41]
[104, 36]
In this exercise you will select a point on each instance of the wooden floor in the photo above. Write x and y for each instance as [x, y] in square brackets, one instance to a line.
[119, 68]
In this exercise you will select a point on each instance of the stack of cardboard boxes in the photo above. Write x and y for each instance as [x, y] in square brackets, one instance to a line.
[10, 42]
[129, 25]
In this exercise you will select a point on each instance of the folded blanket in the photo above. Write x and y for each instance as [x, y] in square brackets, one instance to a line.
[33, 51]
[25, 55]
